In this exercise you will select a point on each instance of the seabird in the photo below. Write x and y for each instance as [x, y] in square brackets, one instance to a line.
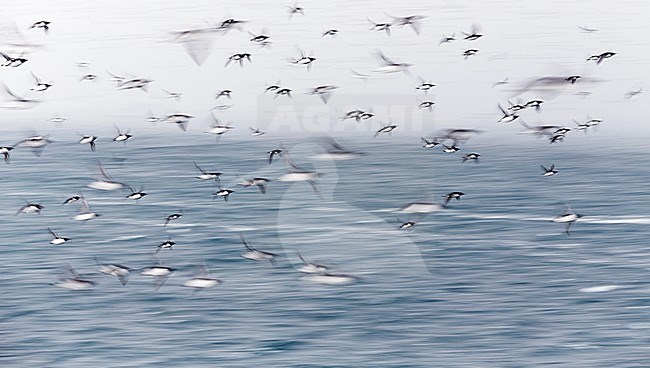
[167, 244]
[30, 208]
[412, 20]
[311, 267]
[122, 136]
[172, 217]
[90, 140]
[298, 173]
[45, 25]
[256, 132]
[430, 143]
[548, 171]
[274, 152]
[117, 270]
[203, 281]
[85, 213]
[472, 156]
[474, 33]
[569, 218]
[5, 150]
[205, 175]
[426, 105]
[40, 86]
[75, 281]
[295, 9]
[181, 120]
[218, 129]
[136, 195]
[58, 240]
[324, 92]
[15, 102]
[225, 193]
[37, 144]
[239, 58]
[135, 83]
[160, 274]
[107, 183]
[386, 129]
[469, 52]
[257, 255]
[330, 32]
[12, 62]
[72, 199]
[380, 27]
[507, 116]
[260, 182]
[175, 95]
[390, 66]
[600, 57]
[224, 93]
[303, 60]
[453, 195]
[282, 92]
[446, 39]
[573, 78]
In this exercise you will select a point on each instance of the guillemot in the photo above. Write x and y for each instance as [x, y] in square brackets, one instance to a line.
[107, 183]
[88, 139]
[430, 143]
[122, 136]
[257, 255]
[12, 62]
[43, 24]
[390, 66]
[172, 217]
[569, 218]
[472, 156]
[121, 272]
[474, 33]
[386, 129]
[74, 281]
[58, 240]
[239, 58]
[40, 86]
[453, 195]
[380, 26]
[600, 57]
[30, 207]
[5, 150]
[548, 171]
[206, 175]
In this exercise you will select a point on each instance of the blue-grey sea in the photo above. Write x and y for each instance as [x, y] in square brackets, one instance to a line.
[489, 281]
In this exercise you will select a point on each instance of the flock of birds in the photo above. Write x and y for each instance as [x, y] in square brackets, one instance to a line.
[197, 43]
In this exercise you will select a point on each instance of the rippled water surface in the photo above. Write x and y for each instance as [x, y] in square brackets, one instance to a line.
[491, 281]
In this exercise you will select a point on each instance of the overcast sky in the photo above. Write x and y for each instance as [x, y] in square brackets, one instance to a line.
[523, 40]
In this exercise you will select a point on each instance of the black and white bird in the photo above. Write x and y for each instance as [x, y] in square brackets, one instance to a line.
[548, 171]
[43, 24]
[207, 175]
[88, 139]
[601, 57]
[453, 195]
[173, 217]
[569, 217]
[257, 255]
[74, 281]
[386, 129]
[122, 136]
[57, 239]
[121, 272]
[473, 156]
[30, 207]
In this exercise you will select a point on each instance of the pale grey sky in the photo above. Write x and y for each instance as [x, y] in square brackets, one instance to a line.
[523, 40]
